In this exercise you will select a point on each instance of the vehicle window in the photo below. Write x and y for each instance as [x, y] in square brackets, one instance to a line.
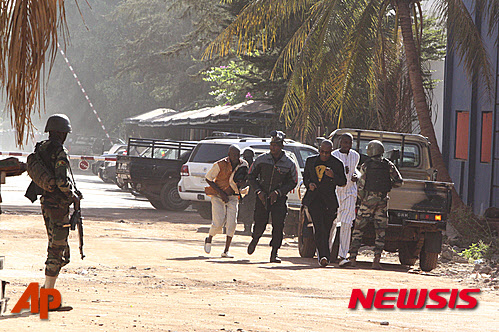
[412, 156]
[411, 153]
[304, 154]
[209, 153]
[165, 154]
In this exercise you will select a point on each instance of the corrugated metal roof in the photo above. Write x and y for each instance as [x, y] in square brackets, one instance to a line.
[160, 112]
[201, 116]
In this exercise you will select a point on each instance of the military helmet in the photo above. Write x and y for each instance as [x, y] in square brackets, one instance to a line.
[277, 136]
[375, 148]
[58, 122]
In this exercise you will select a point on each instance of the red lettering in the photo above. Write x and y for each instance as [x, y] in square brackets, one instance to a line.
[453, 298]
[472, 302]
[441, 301]
[44, 305]
[380, 297]
[413, 301]
[413, 298]
[365, 301]
[30, 292]
[44, 301]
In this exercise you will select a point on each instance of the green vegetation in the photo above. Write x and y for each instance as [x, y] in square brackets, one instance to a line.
[476, 251]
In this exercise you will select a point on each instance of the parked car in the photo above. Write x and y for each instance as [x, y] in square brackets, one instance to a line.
[152, 168]
[418, 210]
[106, 169]
[192, 180]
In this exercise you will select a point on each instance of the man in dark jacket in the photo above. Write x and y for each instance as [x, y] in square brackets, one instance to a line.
[273, 175]
[322, 174]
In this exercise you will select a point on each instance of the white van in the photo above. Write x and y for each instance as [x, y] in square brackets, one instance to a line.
[192, 176]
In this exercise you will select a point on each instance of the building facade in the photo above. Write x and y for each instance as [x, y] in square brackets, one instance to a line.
[471, 127]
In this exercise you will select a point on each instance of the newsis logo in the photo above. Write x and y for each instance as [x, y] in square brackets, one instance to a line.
[414, 298]
[39, 301]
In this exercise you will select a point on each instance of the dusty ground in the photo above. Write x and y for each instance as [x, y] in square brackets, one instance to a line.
[146, 270]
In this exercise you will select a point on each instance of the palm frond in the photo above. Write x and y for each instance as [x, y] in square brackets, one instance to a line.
[488, 9]
[304, 89]
[257, 26]
[357, 55]
[293, 48]
[29, 30]
[466, 41]
[493, 16]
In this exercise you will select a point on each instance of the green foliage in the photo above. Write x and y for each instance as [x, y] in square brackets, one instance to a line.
[476, 251]
[229, 83]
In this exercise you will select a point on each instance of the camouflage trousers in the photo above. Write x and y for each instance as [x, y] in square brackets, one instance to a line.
[372, 209]
[58, 248]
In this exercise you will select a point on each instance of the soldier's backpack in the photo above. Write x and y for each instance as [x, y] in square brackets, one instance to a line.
[38, 167]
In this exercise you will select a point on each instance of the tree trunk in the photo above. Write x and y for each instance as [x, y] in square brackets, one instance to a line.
[422, 110]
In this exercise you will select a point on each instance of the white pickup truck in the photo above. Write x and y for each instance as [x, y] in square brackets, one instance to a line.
[192, 175]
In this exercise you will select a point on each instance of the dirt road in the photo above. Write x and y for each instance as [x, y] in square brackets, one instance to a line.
[146, 270]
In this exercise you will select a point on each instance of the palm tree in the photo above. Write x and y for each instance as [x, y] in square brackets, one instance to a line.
[29, 30]
[340, 41]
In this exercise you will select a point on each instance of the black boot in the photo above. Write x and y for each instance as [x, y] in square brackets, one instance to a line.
[273, 256]
[252, 246]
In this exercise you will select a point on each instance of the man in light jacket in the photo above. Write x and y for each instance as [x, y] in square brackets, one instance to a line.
[224, 193]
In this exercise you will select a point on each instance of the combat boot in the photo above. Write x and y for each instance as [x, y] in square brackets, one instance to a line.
[273, 256]
[376, 265]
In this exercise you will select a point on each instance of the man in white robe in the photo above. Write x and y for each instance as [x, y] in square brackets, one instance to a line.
[347, 197]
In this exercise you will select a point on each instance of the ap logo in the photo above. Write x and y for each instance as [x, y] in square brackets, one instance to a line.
[39, 301]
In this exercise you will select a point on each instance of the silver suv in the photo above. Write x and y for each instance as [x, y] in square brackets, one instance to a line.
[192, 175]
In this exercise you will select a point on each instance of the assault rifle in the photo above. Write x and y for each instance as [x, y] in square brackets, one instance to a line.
[77, 221]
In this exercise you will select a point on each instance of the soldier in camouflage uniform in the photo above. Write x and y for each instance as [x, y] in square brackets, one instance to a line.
[379, 176]
[55, 205]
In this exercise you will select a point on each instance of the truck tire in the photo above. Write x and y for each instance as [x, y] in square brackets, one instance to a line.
[157, 204]
[306, 242]
[121, 184]
[428, 260]
[204, 210]
[170, 198]
[407, 253]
